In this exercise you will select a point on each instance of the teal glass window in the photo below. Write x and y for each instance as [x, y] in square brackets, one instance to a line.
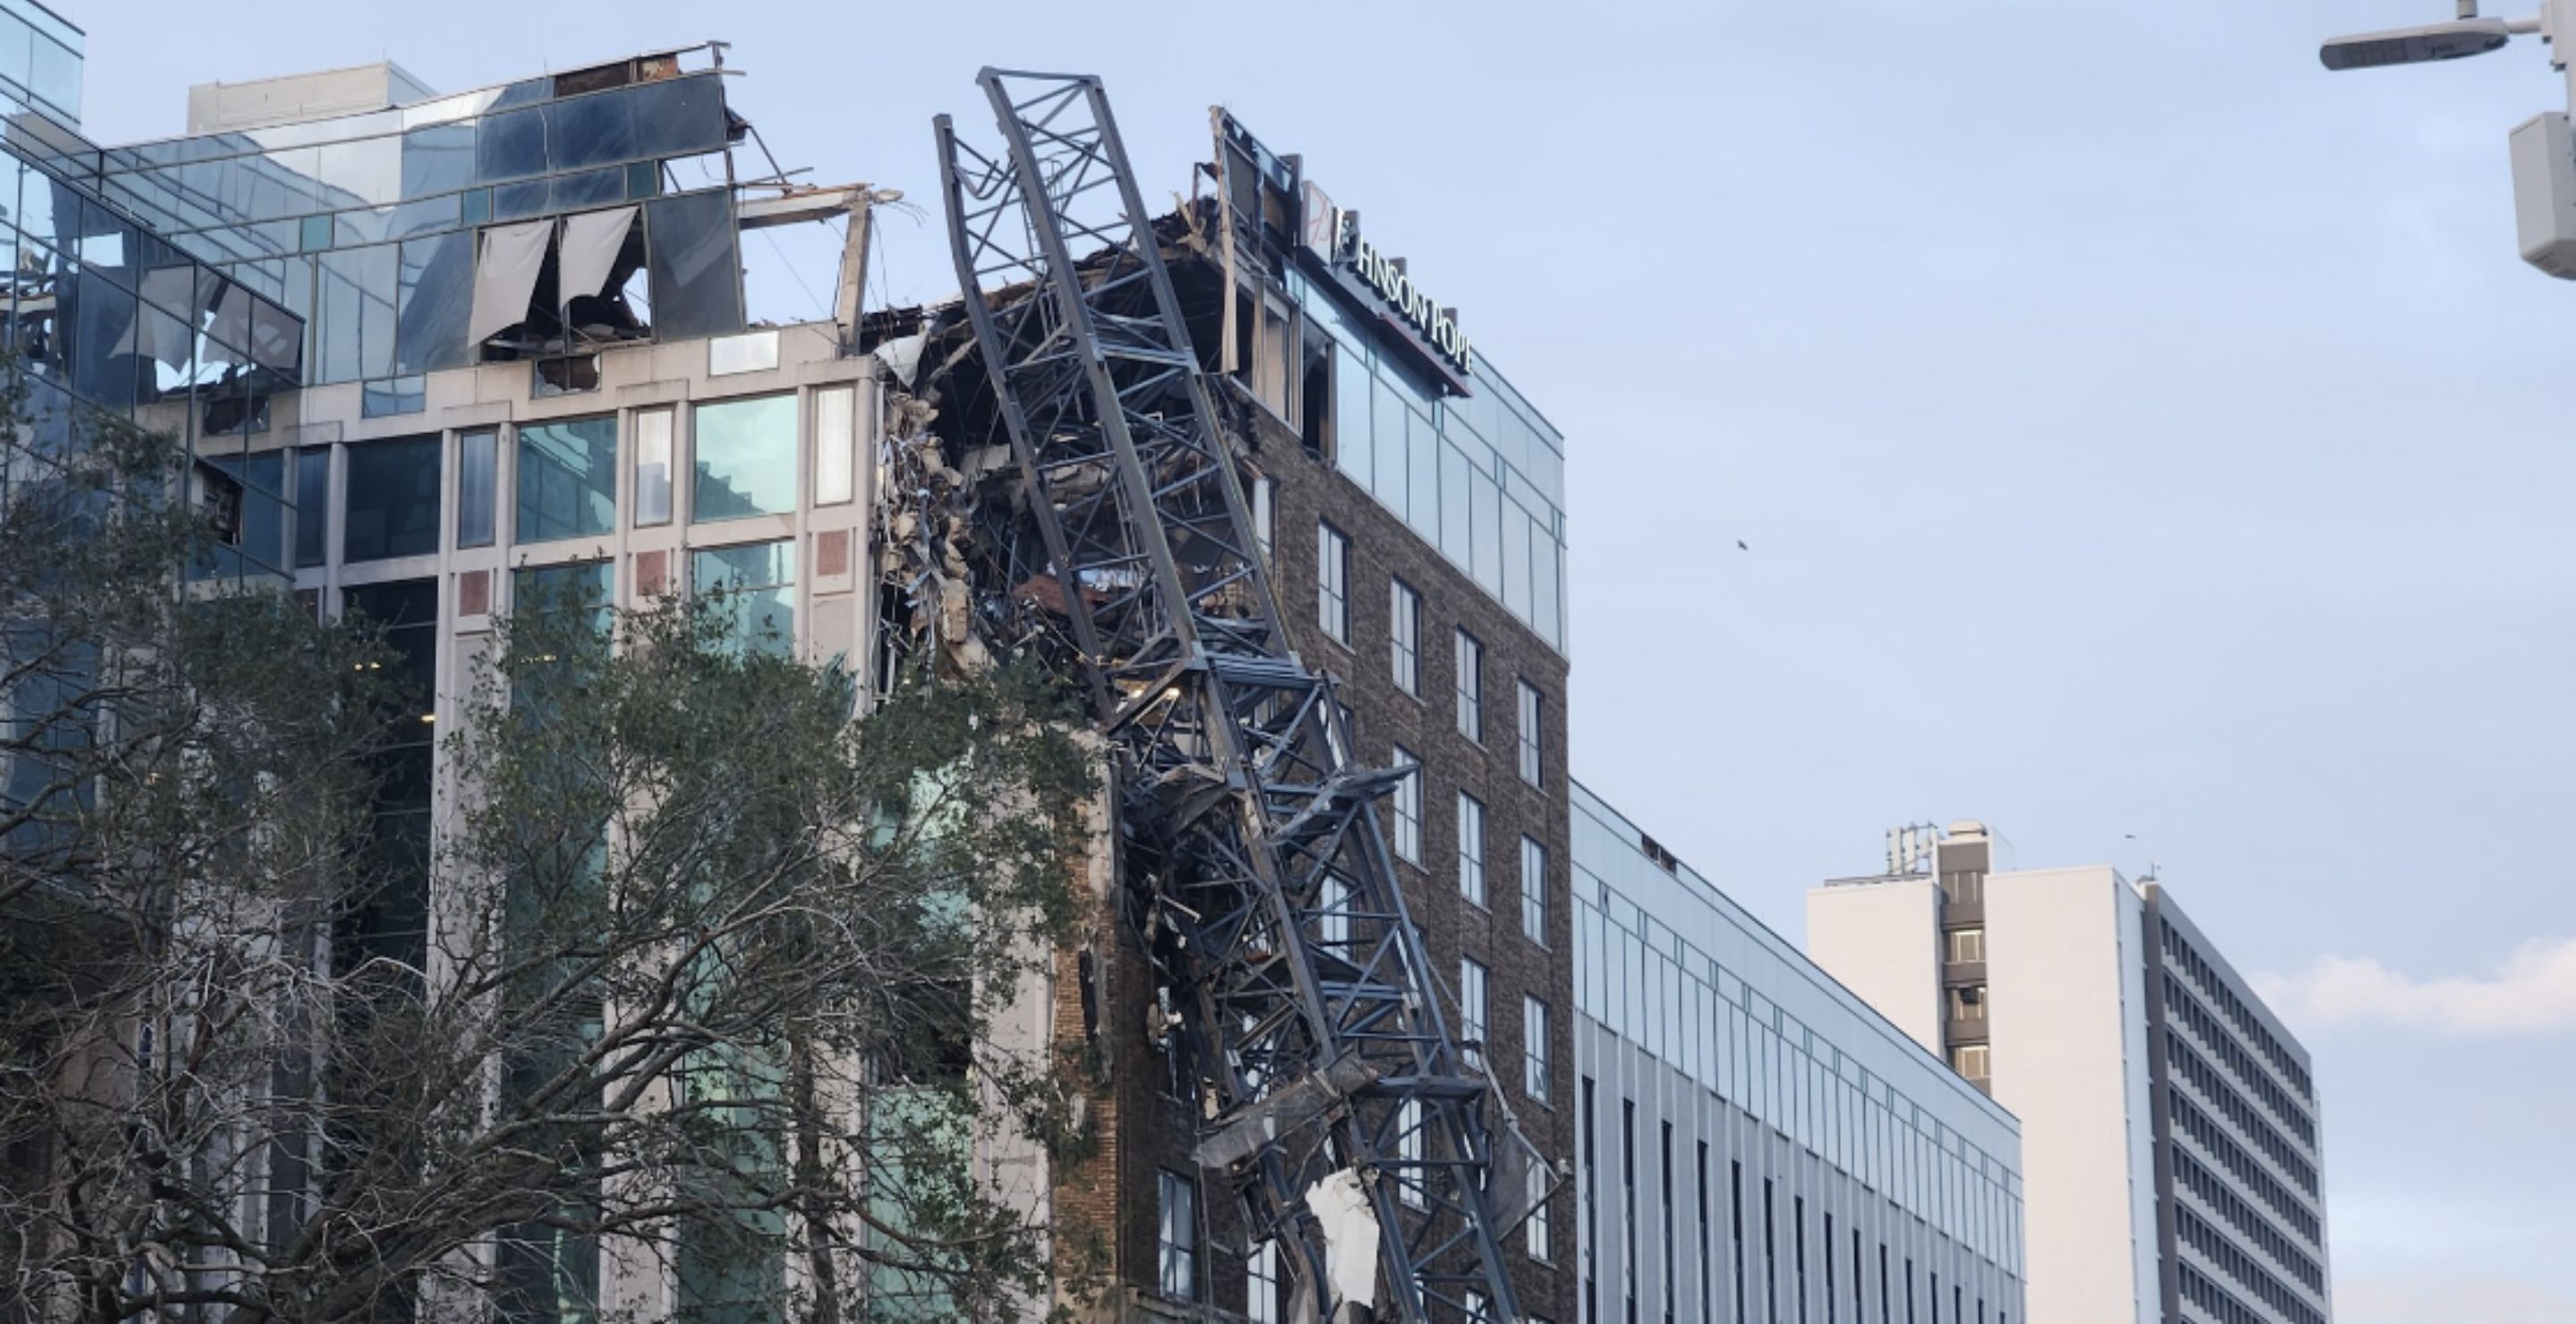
[746, 458]
[567, 479]
[477, 477]
[584, 587]
[758, 582]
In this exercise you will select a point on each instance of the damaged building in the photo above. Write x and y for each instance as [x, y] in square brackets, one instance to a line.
[440, 352]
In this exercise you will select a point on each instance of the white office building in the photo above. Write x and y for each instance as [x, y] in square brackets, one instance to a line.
[1756, 1143]
[2170, 1147]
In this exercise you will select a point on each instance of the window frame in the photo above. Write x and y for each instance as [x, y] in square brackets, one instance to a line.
[1471, 850]
[1534, 889]
[1961, 940]
[1171, 1255]
[1408, 807]
[1404, 635]
[1469, 656]
[1534, 1055]
[1533, 735]
[1473, 975]
[1333, 582]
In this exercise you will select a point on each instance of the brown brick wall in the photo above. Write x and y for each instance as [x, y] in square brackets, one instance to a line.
[1382, 548]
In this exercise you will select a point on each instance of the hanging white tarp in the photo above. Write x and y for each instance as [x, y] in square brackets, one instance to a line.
[591, 242]
[505, 277]
[1350, 1235]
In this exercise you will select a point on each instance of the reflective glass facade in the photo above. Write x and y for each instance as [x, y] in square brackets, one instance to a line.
[366, 224]
[41, 59]
[1807, 1114]
[105, 314]
[1480, 477]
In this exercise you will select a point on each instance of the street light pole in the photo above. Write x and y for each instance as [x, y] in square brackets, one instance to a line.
[2543, 147]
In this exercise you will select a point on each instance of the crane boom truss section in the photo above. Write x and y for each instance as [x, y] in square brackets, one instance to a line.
[1256, 876]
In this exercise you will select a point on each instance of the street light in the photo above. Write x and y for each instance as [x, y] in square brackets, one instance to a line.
[2435, 41]
[2543, 147]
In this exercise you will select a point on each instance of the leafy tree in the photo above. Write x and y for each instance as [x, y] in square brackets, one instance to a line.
[696, 1004]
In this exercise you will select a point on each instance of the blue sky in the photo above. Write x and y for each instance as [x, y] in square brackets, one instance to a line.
[2137, 431]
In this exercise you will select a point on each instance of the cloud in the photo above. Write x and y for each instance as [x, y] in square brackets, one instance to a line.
[2444, 1299]
[2533, 992]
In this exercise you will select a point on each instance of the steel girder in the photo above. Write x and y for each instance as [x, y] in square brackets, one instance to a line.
[1258, 879]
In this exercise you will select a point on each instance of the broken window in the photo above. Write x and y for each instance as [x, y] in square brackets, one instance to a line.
[695, 265]
[541, 287]
[1315, 393]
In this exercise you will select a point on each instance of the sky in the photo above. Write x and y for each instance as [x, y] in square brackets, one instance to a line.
[2145, 442]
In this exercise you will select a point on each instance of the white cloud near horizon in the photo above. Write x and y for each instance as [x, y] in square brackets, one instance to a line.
[2532, 992]
[2444, 1299]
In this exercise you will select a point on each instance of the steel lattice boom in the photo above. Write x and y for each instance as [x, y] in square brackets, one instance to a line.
[1257, 873]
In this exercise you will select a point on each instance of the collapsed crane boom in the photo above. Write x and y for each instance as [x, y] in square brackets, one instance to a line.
[1258, 877]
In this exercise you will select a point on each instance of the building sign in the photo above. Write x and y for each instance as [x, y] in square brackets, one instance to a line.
[1335, 234]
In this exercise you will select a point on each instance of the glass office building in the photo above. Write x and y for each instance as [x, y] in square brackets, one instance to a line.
[1481, 477]
[107, 315]
[602, 191]
[1756, 1142]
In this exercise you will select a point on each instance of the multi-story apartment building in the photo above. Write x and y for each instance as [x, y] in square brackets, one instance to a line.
[1410, 505]
[1758, 1143]
[2169, 1121]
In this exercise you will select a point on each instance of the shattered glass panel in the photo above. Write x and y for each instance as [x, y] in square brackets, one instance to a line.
[695, 268]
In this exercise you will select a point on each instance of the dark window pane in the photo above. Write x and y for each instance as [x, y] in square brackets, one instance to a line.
[746, 458]
[584, 586]
[510, 146]
[392, 508]
[696, 274]
[567, 479]
[436, 292]
[515, 202]
[105, 368]
[312, 505]
[590, 188]
[679, 117]
[593, 130]
[438, 158]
